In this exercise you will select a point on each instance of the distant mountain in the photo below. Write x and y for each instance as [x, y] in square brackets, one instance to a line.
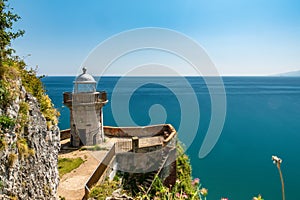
[292, 73]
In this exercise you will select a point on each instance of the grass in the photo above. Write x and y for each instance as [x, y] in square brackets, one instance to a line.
[94, 148]
[66, 165]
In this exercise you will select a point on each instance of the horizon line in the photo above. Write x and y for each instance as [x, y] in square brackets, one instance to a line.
[116, 75]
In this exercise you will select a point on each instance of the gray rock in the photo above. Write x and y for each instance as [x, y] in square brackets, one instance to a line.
[36, 176]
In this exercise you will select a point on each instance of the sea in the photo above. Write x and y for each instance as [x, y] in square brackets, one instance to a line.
[262, 119]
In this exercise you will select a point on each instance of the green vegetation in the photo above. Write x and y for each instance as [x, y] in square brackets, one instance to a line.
[3, 144]
[4, 95]
[6, 122]
[22, 116]
[259, 197]
[23, 149]
[184, 173]
[105, 189]
[184, 188]
[34, 86]
[12, 159]
[93, 148]
[47, 190]
[1, 185]
[66, 165]
[6, 30]
[12, 69]
[13, 198]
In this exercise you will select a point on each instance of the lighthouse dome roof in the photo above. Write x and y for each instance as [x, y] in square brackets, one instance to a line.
[84, 77]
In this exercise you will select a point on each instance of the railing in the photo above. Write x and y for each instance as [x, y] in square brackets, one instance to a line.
[123, 146]
[121, 149]
[103, 96]
[65, 134]
[99, 171]
[70, 97]
[147, 131]
[67, 97]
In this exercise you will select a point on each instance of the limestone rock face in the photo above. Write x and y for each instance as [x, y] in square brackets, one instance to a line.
[28, 170]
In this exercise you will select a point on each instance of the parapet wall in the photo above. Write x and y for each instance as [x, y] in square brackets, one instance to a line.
[147, 131]
[160, 159]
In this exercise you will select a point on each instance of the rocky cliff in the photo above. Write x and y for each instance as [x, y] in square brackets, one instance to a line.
[29, 148]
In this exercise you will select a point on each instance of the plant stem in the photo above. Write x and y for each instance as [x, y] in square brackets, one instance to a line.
[282, 182]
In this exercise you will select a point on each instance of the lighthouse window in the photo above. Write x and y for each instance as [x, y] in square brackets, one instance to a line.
[85, 88]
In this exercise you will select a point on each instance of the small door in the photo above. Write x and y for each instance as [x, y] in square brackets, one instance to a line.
[82, 136]
[95, 139]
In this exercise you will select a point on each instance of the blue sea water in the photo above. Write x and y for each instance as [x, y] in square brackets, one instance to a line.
[262, 119]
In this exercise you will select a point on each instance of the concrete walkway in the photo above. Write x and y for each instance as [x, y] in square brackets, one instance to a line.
[72, 185]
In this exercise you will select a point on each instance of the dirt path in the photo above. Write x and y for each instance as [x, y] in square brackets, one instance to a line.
[71, 185]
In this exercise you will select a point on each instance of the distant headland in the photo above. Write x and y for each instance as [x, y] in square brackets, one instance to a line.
[290, 74]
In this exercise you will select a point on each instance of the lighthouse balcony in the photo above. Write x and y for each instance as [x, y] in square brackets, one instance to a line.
[84, 98]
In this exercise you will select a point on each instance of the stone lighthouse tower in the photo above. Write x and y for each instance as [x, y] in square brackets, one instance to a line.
[85, 104]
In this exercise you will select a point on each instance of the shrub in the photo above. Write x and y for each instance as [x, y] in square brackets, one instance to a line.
[4, 94]
[22, 147]
[11, 159]
[6, 122]
[2, 143]
[48, 111]
[8, 81]
[101, 191]
[34, 86]
[159, 190]
[24, 108]
[13, 198]
[13, 70]
[31, 83]
[23, 114]
[31, 152]
[184, 172]
[9, 70]
[184, 188]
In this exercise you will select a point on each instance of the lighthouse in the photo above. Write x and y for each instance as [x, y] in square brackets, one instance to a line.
[86, 114]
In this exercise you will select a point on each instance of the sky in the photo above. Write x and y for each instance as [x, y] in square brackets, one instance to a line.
[242, 38]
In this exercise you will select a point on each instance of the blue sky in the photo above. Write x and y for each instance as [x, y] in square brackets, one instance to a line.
[241, 37]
